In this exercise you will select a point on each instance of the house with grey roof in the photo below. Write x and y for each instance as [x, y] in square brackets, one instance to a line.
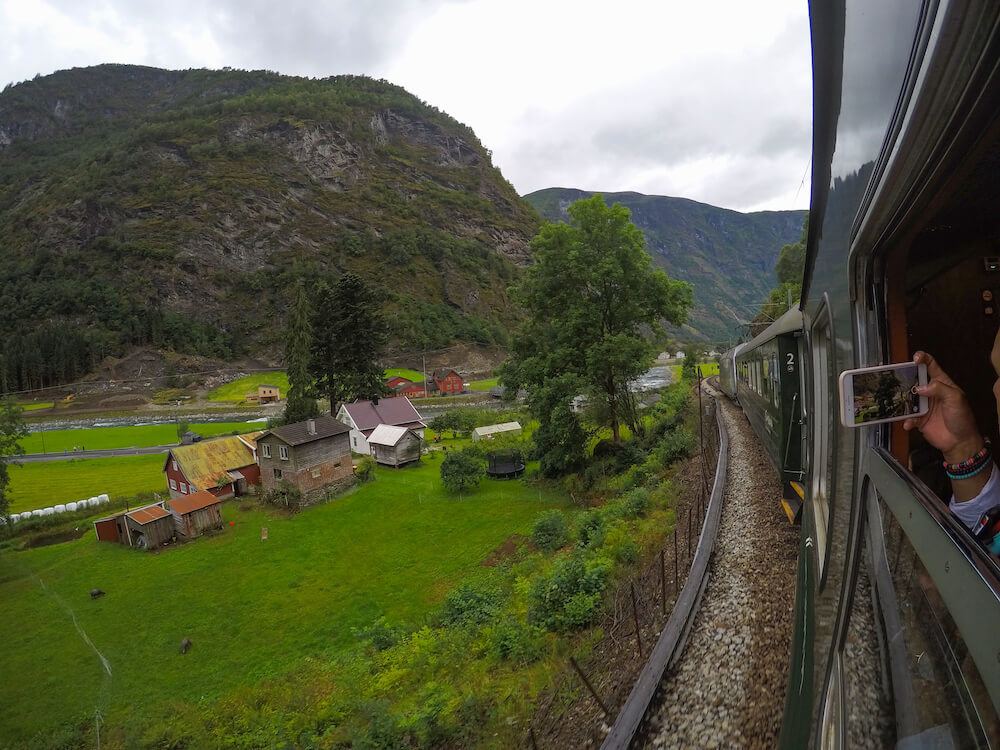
[362, 417]
[310, 455]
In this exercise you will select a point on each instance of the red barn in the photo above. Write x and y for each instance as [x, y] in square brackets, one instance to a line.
[447, 381]
[401, 386]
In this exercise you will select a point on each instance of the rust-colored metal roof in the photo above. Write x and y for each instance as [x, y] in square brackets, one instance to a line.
[205, 463]
[148, 514]
[191, 503]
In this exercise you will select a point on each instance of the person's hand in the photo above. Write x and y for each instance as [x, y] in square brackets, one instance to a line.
[949, 424]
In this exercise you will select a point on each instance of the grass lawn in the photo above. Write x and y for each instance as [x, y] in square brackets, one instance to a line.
[38, 485]
[416, 377]
[141, 436]
[237, 390]
[254, 610]
[35, 405]
[483, 385]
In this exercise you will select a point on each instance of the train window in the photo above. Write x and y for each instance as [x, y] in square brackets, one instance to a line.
[824, 409]
[935, 690]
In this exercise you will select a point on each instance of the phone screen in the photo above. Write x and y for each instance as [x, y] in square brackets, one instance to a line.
[885, 394]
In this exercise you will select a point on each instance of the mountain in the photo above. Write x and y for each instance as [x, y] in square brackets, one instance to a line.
[175, 209]
[727, 256]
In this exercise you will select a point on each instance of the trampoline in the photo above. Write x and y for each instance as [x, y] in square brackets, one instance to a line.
[505, 465]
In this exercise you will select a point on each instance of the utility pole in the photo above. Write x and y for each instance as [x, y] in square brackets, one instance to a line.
[423, 365]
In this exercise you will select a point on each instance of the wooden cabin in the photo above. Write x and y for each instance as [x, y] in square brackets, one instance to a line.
[394, 446]
[147, 528]
[195, 514]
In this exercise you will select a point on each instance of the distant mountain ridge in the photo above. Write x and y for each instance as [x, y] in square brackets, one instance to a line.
[727, 256]
[176, 208]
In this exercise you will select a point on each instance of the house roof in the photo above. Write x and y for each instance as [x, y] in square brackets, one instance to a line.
[495, 429]
[299, 432]
[386, 434]
[265, 385]
[148, 514]
[204, 463]
[191, 503]
[442, 372]
[396, 410]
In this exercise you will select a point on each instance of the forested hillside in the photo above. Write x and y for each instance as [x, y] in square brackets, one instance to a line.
[176, 209]
[728, 256]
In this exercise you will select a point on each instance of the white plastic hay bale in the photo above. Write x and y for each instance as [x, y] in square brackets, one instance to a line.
[90, 502]
[71, 507]
[48, 511]
[104, 498]
[59, 508]
[36, 513]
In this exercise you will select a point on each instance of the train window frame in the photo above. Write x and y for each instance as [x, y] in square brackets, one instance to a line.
[821, 347]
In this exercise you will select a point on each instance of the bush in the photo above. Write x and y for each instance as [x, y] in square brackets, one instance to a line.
[379, 634]
[592, 529]
[514, 641]
[550, 532]
[568, 598]
[470, 604]
[365, 470]
[635, 503]
[675, 445]
[284, 495]
[462, 470]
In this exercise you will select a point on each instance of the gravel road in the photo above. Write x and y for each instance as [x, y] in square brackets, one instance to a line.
[728, 689]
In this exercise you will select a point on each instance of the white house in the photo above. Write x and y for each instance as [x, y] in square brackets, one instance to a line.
[364, 416]
[679, 355]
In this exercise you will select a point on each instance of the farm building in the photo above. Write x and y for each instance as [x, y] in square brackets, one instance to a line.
[394, 446]
[309, 455]
[447, 382]
[405, 387]
[144, 528]
[195, 514]
[225, 466]
[496, 430]
[364, 416]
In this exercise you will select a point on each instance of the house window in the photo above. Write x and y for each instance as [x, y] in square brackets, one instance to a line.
[277, 473]
[316, 473]
[354, 442]
[175, 465]
[283, 452]
[337, 465]
[265, 450]
[173, 484]
[184, 488]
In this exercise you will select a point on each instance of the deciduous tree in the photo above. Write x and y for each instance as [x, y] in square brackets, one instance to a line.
[594, 302]
[461, 471]
[12, 431]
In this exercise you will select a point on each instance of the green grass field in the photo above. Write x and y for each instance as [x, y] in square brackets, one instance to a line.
[255, 610]
[237, 390]
[483, 385]
[35, 405]
[38, 485]
[708, 369]
[416, 377]
[141, 436]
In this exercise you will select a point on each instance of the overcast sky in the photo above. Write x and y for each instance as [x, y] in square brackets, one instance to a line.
[708, 100]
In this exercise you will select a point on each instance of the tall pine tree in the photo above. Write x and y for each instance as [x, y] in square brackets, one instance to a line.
[300, 403]
[349, 337]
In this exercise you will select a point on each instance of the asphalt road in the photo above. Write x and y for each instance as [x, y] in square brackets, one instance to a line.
[108, 453]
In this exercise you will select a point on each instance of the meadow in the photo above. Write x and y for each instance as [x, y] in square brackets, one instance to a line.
[137, 436]
[38, 485]
[256, 611]
[236, 391]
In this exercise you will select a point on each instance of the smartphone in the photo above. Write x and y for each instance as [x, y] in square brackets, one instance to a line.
[872, 395]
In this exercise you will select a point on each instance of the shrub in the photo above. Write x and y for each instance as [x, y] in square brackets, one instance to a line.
[635, 503]
[379, 634]
[568, 597]
[592, 529]
[470, 604]
[514, 641]
[461, 471]
[550, 532]
[365, 470]
[675, 445]
[284, 495]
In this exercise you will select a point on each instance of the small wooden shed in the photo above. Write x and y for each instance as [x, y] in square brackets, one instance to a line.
[148, 527]
[195, 514]
[394, 446]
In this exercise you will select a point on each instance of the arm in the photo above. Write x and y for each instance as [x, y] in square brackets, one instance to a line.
[949, 426]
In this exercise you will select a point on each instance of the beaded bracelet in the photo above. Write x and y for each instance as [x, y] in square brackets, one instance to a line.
[974, 464]
[971, 473]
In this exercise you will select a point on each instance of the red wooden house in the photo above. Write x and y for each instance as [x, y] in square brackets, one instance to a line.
[447, 381]
[225, 467]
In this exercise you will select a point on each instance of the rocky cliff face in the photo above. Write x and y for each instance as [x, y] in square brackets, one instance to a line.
[174, 208]
[727, 256]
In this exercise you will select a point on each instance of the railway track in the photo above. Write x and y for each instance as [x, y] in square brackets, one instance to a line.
[717, 676]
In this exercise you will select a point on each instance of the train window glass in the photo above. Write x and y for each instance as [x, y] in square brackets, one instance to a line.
[823, 409]
[937, 690]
